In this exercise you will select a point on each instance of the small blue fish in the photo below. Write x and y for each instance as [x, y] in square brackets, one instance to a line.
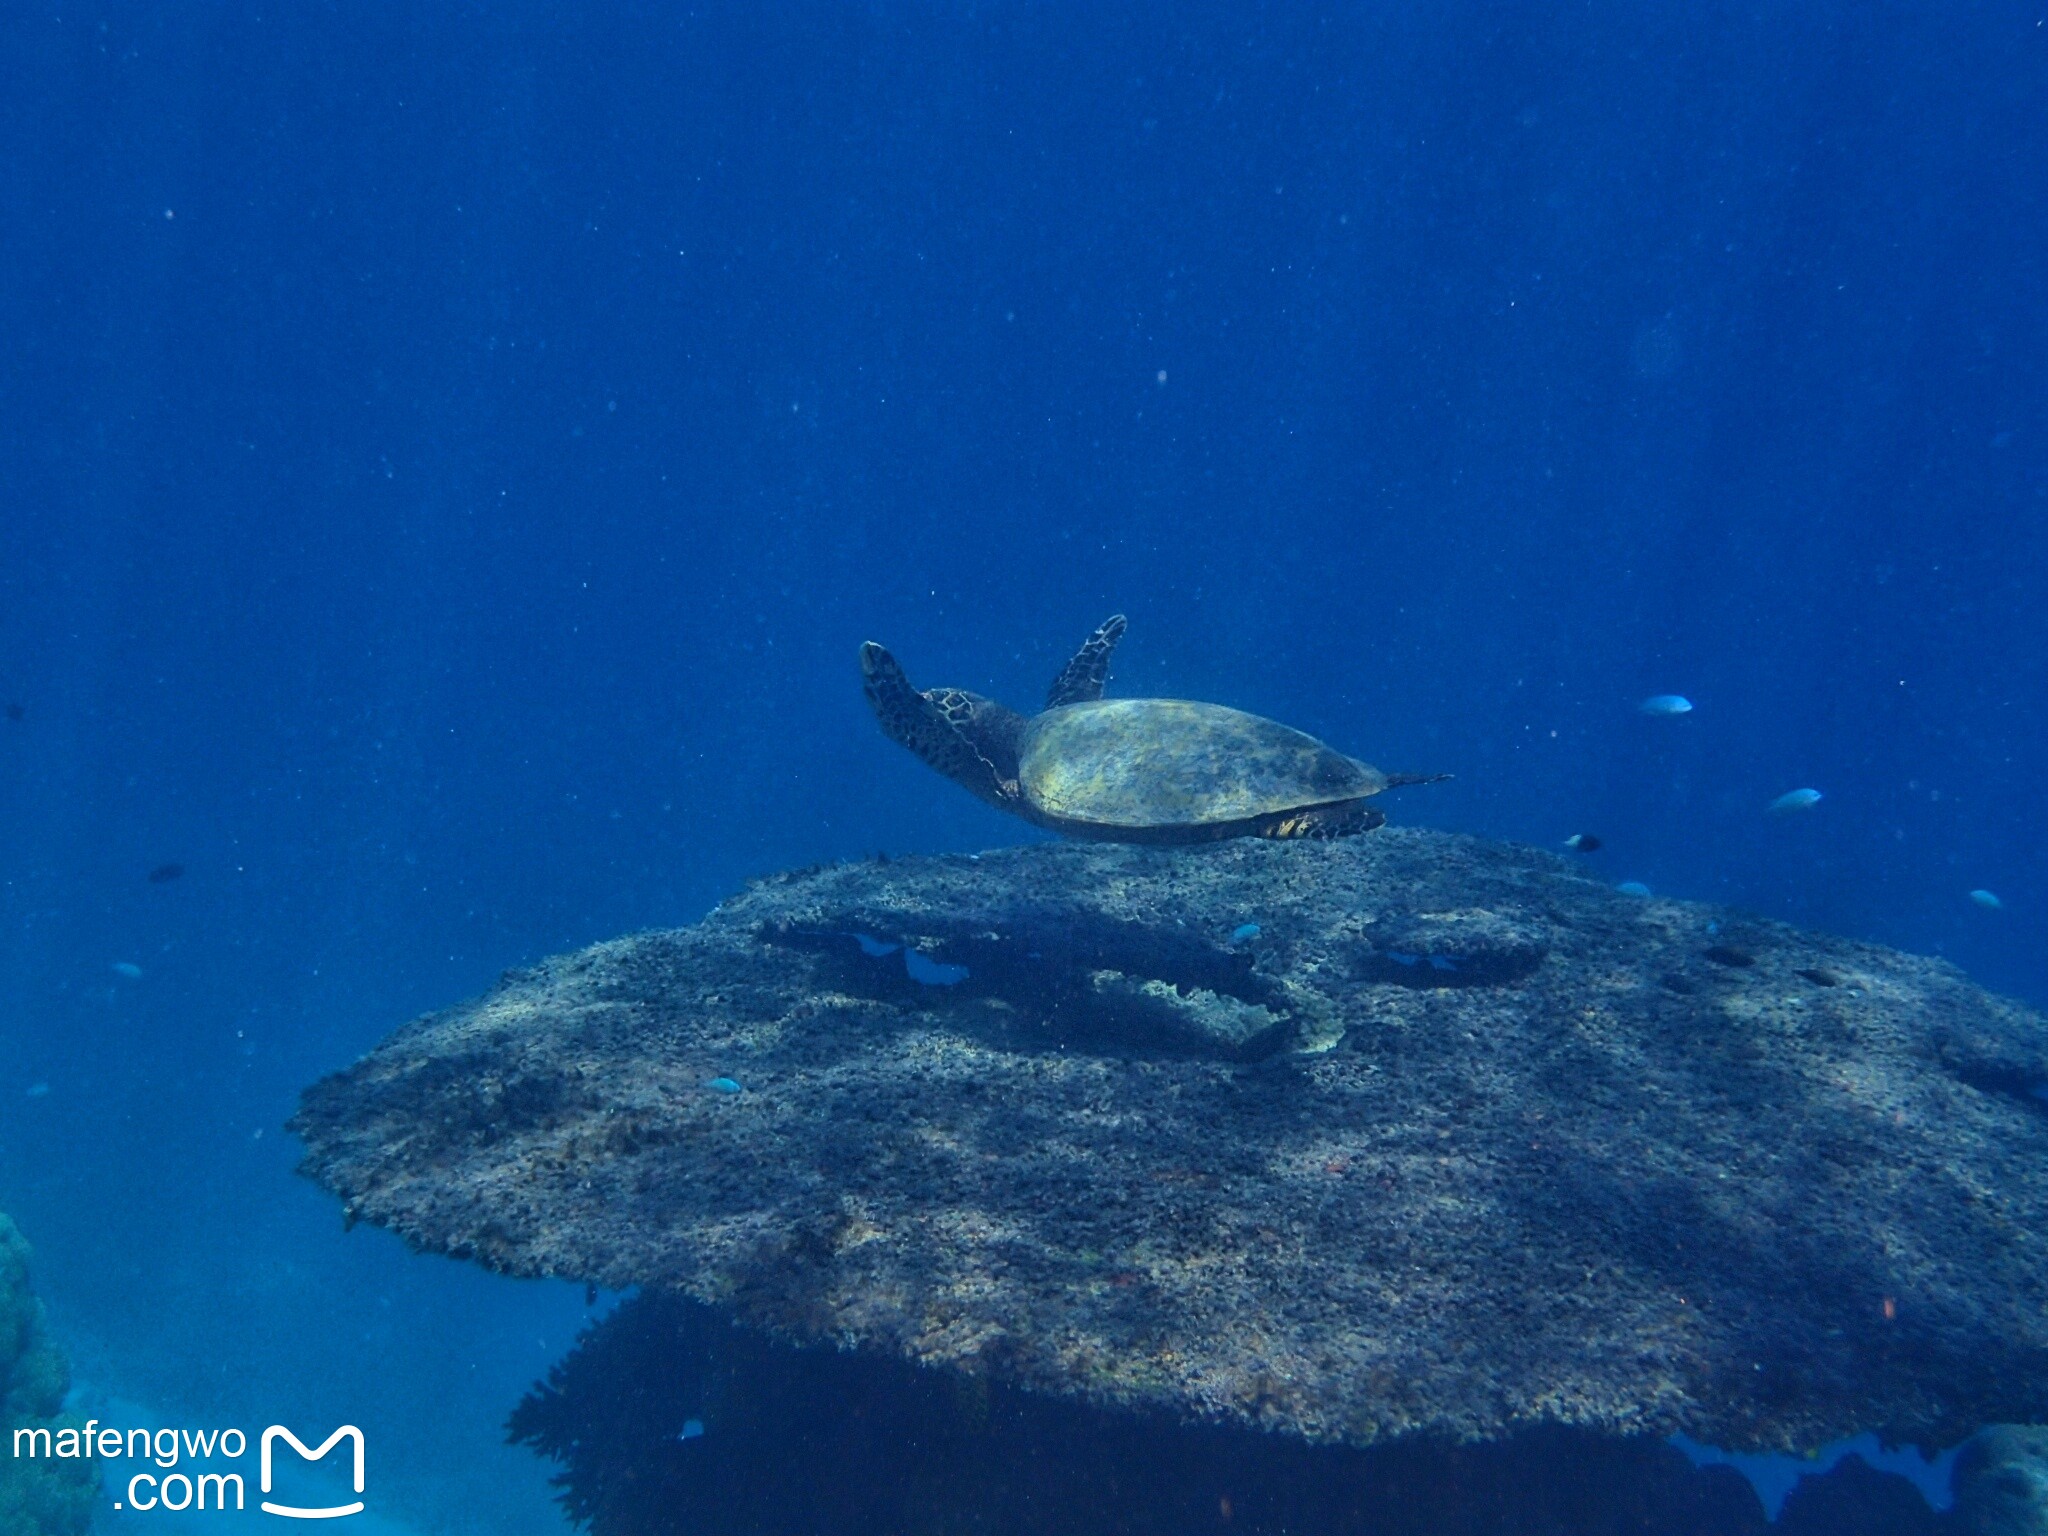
[1633, 888]
[1666, 704]
[1398, 958]
[1244, 933]
[1442, 963]
[1987, 900]
[693, 1429]
[128, 970]
[721, 1085]
[1796, 800]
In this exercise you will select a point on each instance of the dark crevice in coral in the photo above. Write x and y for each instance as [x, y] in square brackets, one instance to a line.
[1473, 948]
[1079, 980]
[1400, 968]
[1998, 1077]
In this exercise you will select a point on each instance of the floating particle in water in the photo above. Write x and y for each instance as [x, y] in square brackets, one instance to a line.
[1633, 888]
[721, 1085]
[128, 970]
[1658, 349]
[38, 1090]
[693, 1429]
[1986, 899]
[165, 873]
[1666, 704]
[1583, 842]
[1244, 933]
[1796, 800]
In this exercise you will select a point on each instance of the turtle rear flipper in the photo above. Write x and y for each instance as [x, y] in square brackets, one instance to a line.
[1396, 780]
[926, 725]
[1322, 822]
[1081, 680]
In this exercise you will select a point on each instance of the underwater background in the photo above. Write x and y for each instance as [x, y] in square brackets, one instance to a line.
[451, 456]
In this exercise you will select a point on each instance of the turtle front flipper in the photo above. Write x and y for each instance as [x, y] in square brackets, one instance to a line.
[1081, 680]
[929, 724]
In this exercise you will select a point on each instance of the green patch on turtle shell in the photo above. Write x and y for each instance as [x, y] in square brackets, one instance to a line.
[1174, 762]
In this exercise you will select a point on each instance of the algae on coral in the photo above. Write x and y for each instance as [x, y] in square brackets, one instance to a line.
[37, 1497]
[1467, 1143]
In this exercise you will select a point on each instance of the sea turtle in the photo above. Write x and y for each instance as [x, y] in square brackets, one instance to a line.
[1130, 770]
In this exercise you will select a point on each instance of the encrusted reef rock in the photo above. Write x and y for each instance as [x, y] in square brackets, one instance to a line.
[2001, 1482]
[39, 1495]
[666, 1419]
[1460, 1142]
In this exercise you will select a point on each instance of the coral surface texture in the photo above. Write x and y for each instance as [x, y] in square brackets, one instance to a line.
[39, 1495]
[1406, 1133]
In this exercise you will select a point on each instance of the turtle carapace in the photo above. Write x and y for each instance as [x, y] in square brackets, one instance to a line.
[1129, 770]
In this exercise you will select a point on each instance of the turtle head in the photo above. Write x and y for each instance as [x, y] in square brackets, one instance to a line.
[972, 740]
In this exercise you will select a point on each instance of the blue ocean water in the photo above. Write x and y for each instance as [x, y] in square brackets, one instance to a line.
[452, 455]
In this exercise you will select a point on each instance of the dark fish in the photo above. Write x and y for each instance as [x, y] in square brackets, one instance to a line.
[15, 711]
[1583, 842]
[165, 872]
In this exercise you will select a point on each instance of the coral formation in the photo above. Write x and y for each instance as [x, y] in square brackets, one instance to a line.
[2001, 1482]
[37, 1497]
[667, 1418]
[1465, 1144]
